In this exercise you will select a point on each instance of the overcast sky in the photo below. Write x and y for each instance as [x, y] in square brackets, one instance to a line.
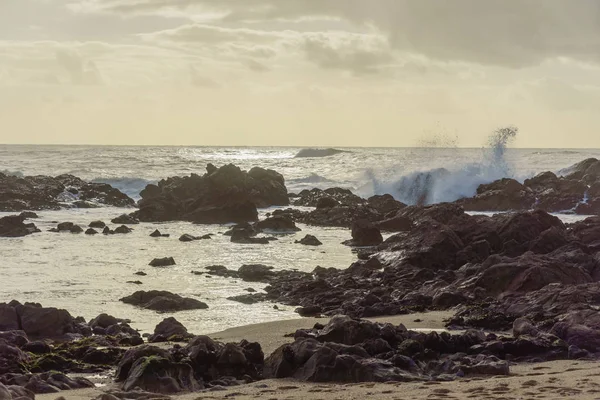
[299, 72]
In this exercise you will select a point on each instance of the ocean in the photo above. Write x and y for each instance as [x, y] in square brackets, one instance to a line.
[88, 275]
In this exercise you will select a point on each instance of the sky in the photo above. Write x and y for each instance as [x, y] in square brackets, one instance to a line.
[299, 72]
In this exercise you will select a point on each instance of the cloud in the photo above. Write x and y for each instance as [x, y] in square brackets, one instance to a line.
[79, 71]
[202, 81]
[256, 66]
[513, 34]
[359, 54]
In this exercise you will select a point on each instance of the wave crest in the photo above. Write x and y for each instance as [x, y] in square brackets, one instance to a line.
[450, 184]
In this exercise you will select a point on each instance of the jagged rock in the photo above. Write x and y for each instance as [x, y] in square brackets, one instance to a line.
[122, 230]
[162, 262]
[277, 223]
[125, 219]
[163, 301]
[254, 272]
[169, 329]
[13, 226]
[364, 233]
[157, 233]
[29, 215]
[222, 195]
[309, 240]
[45, 193]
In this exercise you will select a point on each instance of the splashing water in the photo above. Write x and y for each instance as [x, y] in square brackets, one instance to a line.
[449, 184]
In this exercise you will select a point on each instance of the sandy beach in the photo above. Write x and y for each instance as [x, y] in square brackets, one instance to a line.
[548, 380]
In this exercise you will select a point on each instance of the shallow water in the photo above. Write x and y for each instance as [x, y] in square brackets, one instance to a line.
[87, 275]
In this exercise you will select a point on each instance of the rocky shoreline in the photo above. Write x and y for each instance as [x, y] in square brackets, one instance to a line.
[522, 285]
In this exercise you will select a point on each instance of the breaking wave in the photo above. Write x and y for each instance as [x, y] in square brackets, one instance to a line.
[130, 186]
[454, 182]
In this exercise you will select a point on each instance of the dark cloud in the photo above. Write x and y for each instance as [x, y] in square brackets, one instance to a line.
[508, 33]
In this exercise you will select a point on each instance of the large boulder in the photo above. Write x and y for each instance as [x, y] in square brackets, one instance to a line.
[364, 233]
[278, 223]
[40, 322]
[14, 226]
[222, 195]
[169, 329]
[503, 195]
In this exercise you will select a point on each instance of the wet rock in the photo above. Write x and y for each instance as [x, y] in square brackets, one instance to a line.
[47, 193]
[187, 238]
[255, 272]
[76, 229]
[163, 301]
[364, 233]
[141, 273]
[44, 322]
[161, 375]
[326, 202]
[91, 231]
[243, 237]
[107, 231]
[125, 219]
[503, 195]
[157, 234]
[169, 329]
[328, 198]
[13, 226]
[123, 230]
[222, 195]
[395, 224]
[97, 224]
[29, 215]
[247, 298]
[162, 262]
[277, 223]
[309, 240]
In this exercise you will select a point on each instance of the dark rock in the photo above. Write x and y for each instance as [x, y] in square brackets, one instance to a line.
[141, 273]
[13, 226]
[247, 298]
[277, 223]
[187, 238]
[255, 272]
[97, 224]
[502, 195]
[309, 240]
[91, 231]
[76, 229]
[123, 230]
[29, 215]
[107, 231]
[222, 195]
[162, 262]
[157, 233]
[327, 202]
[45, 193]
[125, 219]
[163, 301]
[169, 329]
[364, 233]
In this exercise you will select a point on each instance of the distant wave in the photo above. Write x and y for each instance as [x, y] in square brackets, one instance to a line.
[312, 178]
[452, 183]
[130, 186]
[305, 153]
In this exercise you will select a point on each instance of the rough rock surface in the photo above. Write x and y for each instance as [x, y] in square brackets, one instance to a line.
[14, 226]
[48, 193]
[222, 195]
[163, 301]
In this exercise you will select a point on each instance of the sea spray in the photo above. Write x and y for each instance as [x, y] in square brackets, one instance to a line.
[453, 182]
